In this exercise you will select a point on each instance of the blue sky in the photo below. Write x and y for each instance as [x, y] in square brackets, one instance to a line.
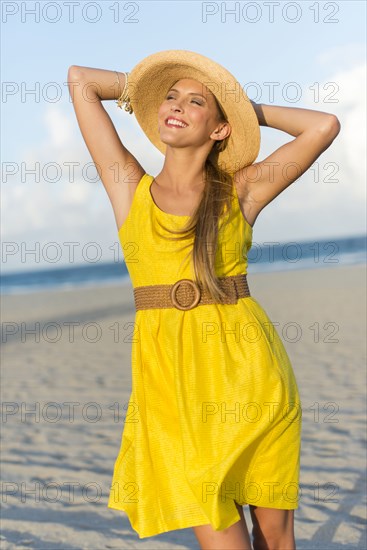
[320, 46]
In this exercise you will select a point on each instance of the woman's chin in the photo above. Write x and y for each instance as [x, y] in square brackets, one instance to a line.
[169, 140]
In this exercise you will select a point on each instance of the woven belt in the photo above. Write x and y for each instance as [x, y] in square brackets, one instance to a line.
[186, 294]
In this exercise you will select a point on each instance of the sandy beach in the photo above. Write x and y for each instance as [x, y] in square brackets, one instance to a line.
[66, 382]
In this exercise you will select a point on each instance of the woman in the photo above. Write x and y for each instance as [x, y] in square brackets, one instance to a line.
[214, 418]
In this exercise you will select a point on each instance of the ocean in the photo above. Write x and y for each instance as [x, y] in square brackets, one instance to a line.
[264, 257]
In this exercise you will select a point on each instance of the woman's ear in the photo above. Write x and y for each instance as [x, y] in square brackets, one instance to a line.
[222, 131]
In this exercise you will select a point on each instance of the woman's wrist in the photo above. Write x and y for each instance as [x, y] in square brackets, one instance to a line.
[258, 108]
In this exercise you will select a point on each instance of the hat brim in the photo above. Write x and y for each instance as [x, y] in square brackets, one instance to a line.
[150, 80]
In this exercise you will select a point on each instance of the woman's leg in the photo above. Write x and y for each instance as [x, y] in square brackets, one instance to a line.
[273, 529]
[235, 537]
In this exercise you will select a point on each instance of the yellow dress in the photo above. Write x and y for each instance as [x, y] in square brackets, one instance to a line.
[214, 413]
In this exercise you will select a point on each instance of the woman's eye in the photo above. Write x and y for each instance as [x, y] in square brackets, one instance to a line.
[194, 100]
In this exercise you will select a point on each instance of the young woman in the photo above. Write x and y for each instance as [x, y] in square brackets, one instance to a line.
[214, 418]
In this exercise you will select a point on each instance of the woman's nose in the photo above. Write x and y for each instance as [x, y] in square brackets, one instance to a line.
[176, 106]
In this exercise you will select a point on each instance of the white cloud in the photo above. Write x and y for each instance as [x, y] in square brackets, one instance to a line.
[343, 57]
[349, 148]
[58, 125]
[314, 206]
[71, 208]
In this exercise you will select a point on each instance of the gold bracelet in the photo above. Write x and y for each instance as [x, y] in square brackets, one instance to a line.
[122, 100]
[118, 80]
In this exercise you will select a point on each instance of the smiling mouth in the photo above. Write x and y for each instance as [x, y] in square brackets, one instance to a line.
[172, 123]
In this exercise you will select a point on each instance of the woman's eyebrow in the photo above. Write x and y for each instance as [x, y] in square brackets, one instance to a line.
[190, 93]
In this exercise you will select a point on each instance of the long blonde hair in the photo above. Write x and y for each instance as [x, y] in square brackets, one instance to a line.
[204, 223]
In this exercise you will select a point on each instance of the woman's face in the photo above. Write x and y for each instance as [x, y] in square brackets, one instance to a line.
[188, 115]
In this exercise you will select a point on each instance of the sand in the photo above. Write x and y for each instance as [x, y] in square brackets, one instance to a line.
[64, 389]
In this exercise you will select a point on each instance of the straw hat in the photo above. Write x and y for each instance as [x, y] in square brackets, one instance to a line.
[150, 80]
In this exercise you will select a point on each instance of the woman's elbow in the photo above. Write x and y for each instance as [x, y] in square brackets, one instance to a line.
[74, 73]
[329, 129]
[335, 125]
[332, 126]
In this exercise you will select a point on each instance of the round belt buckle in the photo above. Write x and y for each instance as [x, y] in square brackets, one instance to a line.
[196, 296]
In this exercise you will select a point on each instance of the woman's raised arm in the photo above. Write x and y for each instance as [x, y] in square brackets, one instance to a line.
[262, 181]
[118, 169]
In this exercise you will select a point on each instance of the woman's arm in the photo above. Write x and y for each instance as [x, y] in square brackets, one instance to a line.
[261, 182]
[101, 82]
[291, 120]
[118, 169]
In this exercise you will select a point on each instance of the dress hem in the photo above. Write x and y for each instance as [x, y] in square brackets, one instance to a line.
[182, 524]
